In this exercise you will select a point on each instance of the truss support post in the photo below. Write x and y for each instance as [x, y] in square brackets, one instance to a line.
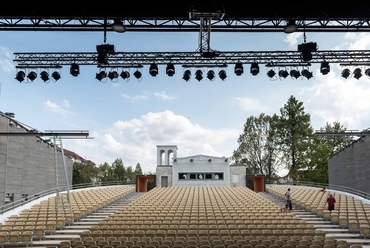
[205, 35]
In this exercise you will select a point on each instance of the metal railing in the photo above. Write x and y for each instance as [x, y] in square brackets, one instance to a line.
[18, 203]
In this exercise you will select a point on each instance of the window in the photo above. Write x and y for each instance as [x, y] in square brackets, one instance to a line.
[201, 176]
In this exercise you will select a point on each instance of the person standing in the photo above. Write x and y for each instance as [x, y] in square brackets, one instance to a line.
[288, 199]
[331, 202]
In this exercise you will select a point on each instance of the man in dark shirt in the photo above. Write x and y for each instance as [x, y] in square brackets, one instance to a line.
[331, 202]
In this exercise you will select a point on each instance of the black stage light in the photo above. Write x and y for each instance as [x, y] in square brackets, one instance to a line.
[283, 73]
[357, 73]
[346, 73]
[32, 75]
[238, 70]
[211, 75]
[324, 68]
[74, 70]
[255, 69]
[222, 75]
[125, 75]
[199, 75]
[295, 74]
[101, 75]
[187, 75]
[112, 75]
[44, 75]
[153, 70]
[306, 73]
[170, 69]
[367, 72]
[20, 76]
[56, 75]
[137, 74]
[271, 73]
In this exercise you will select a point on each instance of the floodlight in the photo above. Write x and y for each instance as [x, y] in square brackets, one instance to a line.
[255, 69]
[367, 72]
[291, 27]
[20, 76]
[125, 75]
[32, 75]
[153, 70]
[187, 75]
[324, 68]
[199, 75]
[283, 73]
[137, 74]
[74, 70]
[170, 69]
[118, 26]
[44, 75]
[346, 73]
[112, 75]
[238, 70]
[357, 73]
[211, 75]
[101, 75]
[222, 75]
[56, 75]
[295, 74]
[271, 73]
[306, 73]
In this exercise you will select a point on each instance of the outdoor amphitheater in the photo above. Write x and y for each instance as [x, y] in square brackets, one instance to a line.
[189, 216]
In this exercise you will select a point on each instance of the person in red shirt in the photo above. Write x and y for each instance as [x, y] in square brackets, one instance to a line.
[331, 202]
[322, 190]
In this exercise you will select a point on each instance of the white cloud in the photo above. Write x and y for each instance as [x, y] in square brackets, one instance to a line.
[6, 63]
[163, 96]
[292, 39]
[57, 109]
[359, 41]
[136, 98]
[251, 104]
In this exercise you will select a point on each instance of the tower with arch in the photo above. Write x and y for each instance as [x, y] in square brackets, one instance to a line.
[165, 153]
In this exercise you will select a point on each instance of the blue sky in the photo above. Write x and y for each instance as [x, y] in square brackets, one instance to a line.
[128, 119]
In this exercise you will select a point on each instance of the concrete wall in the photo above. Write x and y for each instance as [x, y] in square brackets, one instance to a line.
[238, 176]
[351, 167]
[26, 164]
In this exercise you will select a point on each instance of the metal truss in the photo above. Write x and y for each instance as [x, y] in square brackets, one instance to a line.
[226, 24]
[137, 59]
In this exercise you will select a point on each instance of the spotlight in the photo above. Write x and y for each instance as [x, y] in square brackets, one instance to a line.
[367, 72]
[118, 26]
[187, 75]
[324, 68]
[153, 70]
[56, 75]
[238, 70]
[32, 75]
[20, 76]
[283, 73]
[295, 74]
[101, 75]
[198, 75]
[137, 74]
[170, 69]
[346, 73]
[125, 75]
[112, 75]
[74, 70]
[222, 75]
[357, 73]
[255, 69]
[271, 73]
[44, 75]
[211, 75]
[306, 73]
[291, 27]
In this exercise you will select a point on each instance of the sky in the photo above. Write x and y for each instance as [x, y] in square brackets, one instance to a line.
[128, 119]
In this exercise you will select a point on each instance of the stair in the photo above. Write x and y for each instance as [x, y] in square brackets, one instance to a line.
[338, 232]
[84, 224]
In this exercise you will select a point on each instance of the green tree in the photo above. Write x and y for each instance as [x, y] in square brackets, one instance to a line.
[130, 175]
[294, 136]
[138, 170]
[84, 172]
[118, 169]
[106, 172]
[257, 150]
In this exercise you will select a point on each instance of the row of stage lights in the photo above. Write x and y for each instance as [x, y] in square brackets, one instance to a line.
[199, 74]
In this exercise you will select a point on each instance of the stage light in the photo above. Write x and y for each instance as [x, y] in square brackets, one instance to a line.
[306, 49]
[125, 75]
[357, 73]
[56, 76]
[137, 74]
[199, 75]
[306, 73]
[324, 68]
[271, 73]
[238, 70]
[187, 75]
[32, 76]
[20, 76]
[283, 73]
[170, 69]
[346, 73]
[367, 72]
[153, 70]
[255, 69]
[118, 26]
[44, 75]
[291, 27]
[295, 74]
[103, 51]
[112, 75]
[211, 75]
[74, 70]
[101, 75]
[222, 75]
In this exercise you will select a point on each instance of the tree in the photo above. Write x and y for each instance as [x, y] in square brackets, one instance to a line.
[119, 172]
[106, 172]
[334, 142]
[294, 136]
[257, 150]
[138, 170]
[84, 172]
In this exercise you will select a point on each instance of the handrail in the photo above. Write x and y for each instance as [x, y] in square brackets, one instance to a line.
[18, 203]
[345, 189]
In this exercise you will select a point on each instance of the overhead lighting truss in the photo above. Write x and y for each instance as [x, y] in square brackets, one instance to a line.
[126, 59]
[183, 24]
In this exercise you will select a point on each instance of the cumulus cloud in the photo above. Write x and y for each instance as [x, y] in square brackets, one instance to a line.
[251, 104]
[59, 109]
[292, 39]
